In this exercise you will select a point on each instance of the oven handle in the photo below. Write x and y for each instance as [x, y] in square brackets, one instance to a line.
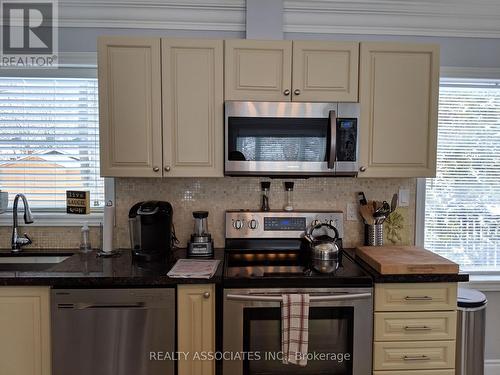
[263, 297]
[332, 120]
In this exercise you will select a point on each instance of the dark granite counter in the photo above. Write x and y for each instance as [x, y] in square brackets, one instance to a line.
[416, 278]
[90, 271]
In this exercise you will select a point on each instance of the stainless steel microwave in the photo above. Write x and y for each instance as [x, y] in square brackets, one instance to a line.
[291, 139]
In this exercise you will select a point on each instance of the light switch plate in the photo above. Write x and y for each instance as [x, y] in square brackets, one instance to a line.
[404, 197]
[352, 212]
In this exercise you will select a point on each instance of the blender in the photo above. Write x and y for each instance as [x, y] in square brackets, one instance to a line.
[201, 243]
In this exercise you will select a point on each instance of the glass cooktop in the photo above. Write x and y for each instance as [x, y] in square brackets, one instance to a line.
[243, 264]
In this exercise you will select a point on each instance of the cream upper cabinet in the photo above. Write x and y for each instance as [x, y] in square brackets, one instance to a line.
[304, 71]
[399, 86]
[325, 71]
[259, 70]
[130, 106]
[25, 331]
[196, 327]
[193, 99]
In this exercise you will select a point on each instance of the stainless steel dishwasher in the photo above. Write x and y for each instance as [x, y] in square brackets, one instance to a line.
[112, 331]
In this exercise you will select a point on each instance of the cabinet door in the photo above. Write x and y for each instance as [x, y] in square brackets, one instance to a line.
[130, 106]
[196, 327]
[399, 85]
[325, 71]
[193, 107]
[25, 331]
[258, 70]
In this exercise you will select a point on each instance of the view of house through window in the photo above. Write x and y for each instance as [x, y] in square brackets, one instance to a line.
[49, 140]
[462, 205]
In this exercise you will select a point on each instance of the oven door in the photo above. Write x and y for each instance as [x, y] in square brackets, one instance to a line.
[340, 329]
[280, 138]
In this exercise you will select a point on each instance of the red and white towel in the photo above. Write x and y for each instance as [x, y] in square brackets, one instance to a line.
[295, 328]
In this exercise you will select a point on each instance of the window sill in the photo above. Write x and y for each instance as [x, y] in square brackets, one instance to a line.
[54, 219]
[484, 283]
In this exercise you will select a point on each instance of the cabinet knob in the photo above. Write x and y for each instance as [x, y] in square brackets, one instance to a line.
[296, 92]
[362, 169]
[167, 169]
[156, 169]
[286, 92]
[206, 295]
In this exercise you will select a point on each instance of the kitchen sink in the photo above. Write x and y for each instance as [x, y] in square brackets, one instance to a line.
[31, 261]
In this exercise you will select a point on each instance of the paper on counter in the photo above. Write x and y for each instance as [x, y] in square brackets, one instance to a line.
[194, 268]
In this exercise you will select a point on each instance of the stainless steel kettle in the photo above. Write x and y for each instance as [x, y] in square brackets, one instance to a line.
[323, 247]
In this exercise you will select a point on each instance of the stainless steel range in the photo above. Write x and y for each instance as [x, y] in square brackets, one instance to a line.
[266, 257]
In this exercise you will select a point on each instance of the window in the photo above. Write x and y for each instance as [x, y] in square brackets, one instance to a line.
[462, 204]
[49, 140]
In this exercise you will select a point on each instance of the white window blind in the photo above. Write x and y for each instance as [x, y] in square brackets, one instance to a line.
[462, 205]
[49, 140]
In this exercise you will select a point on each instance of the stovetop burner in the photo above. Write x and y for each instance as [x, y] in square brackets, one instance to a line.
[286, 264]
[268, 248]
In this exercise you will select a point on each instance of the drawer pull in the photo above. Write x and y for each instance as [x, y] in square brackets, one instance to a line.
[416, 358]
[417, 328]
[418, 298]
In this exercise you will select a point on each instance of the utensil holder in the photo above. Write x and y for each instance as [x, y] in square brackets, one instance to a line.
[374, 235]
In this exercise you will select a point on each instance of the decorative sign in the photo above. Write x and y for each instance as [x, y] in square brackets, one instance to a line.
[78, 202]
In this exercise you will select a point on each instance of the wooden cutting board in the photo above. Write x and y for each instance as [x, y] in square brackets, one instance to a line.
[400, 260]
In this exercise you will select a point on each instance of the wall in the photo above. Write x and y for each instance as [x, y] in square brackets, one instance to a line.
[219, 194]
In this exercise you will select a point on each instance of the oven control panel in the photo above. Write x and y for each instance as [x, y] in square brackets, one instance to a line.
[278, 224]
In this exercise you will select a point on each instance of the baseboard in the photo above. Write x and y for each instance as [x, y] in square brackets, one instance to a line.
[492, 367]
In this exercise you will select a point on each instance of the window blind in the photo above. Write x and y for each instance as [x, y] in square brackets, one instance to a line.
[462, 205]
[49, 140]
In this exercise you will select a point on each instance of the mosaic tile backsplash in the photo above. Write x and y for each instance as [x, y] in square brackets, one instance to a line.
[217, 195]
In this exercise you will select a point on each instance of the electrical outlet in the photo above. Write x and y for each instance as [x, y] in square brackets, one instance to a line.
[352, 212]
[404, 197]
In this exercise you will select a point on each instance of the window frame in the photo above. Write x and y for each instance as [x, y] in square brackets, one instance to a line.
[483, 280]
[72, 64]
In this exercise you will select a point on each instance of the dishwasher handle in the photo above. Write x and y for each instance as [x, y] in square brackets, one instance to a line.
[86, 306]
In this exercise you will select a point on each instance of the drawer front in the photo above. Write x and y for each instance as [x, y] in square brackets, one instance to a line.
[418, 355]
[415, 326]
[416, 372]
[416, 297]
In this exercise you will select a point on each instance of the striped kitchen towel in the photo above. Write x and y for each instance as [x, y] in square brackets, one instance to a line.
[295, 328]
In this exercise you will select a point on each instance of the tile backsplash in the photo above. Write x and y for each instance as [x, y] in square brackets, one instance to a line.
[217, 195]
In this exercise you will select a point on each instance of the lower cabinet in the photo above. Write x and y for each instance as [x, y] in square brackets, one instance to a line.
[25, 331]
[415, 329]
[196, 327]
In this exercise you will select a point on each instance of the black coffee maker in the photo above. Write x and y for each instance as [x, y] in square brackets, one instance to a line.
[150, 225]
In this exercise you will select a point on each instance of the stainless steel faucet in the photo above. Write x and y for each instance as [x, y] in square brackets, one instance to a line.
[18, 242]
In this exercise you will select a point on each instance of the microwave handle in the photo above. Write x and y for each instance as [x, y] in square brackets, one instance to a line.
[332, 122]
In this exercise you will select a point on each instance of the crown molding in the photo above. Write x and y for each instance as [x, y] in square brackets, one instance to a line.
[217, 15]
[452, 18]
[455, 18]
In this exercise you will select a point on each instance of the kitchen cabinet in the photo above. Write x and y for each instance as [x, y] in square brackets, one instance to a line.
[161, 107]
[306, 71]
[196, 327]
[193, 106]
[415, 328]
[25, 331]
[325, 71]
[130, 106]
[398, 94]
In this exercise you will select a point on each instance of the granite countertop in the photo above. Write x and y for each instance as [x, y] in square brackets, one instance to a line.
[89, 271]
[415, 278]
